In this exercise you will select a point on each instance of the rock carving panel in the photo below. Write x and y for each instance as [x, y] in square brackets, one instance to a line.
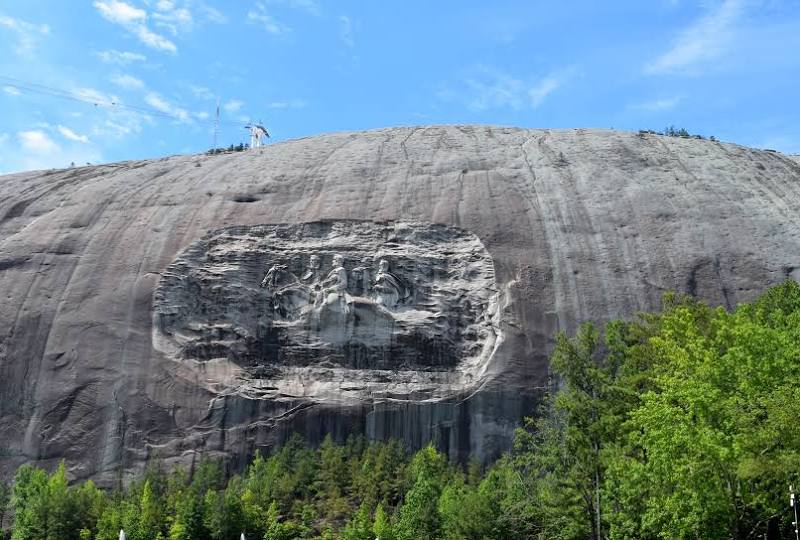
[303, 309]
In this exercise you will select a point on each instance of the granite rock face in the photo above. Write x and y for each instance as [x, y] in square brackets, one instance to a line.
[398, 283]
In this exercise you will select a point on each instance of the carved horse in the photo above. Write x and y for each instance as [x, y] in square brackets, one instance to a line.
[289, 294]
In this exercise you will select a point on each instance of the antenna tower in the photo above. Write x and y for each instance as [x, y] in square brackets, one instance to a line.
[216, 125]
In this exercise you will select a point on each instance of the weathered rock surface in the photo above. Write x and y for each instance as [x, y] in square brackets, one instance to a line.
[134, 324]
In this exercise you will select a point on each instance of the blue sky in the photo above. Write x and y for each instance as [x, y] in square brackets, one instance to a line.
[107, 80]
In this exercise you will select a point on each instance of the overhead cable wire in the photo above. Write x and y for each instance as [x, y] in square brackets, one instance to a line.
[28, 86]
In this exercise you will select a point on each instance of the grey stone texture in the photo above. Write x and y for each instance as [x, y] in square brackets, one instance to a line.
[97, 263]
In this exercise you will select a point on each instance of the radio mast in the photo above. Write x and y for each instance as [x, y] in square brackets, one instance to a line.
[216, 124]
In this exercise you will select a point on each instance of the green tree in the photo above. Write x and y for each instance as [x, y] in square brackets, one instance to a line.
[382, 526]
[146, 524]
[509, 501]
[5, 497]
[62, 517]
[714, 441]
[110, 521]
[562, 452]
[381, 476]
[360, 526]
[29, 503]
[419, 516]
[466, 512]
[90, 503]
[332, 477]
[224, 515]
[280, 529]
[189, 521]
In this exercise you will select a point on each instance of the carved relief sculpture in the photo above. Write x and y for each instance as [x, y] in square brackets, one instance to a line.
[425, 305]
[387, 288]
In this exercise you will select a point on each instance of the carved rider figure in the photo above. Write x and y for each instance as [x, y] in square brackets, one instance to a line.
[387, 288]
[334, 287]
[288, 294]
[270, 281]
[311, 278]
[312, 274]
[361, 278]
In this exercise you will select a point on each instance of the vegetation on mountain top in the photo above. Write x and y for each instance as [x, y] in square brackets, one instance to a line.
[241, 147]
[680, 424]
[672, 131]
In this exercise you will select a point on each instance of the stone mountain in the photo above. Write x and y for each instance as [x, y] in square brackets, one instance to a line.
[401, 282]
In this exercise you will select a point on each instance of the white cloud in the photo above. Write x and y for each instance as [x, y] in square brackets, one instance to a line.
[346, 30]
[11, 90]
[120, 12]
[292, 104]
[490, 88]
[154, 41]
[134, 20]
[212, 14]
[202, 115]
[663, 104]
[201, 92]
[493, 89]
[27, 33]
[705, 40]
[37, 142]
[233, 105]
[35, 149]
[71, 135]
[121, 58]
[260, 16]
[157, 102]
[311, 7]
[121, 125]
[174, 19]
[160, 104]
[129, 82]
[542, 89]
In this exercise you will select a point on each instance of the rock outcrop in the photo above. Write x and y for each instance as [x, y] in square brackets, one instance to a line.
[398, 283]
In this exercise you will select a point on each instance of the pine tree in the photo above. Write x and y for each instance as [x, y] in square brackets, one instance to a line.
[150, 518]
[418, 516]
[382, 526]
[359, 527]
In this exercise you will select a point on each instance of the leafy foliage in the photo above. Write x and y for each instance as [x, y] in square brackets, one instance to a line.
[680, 425]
